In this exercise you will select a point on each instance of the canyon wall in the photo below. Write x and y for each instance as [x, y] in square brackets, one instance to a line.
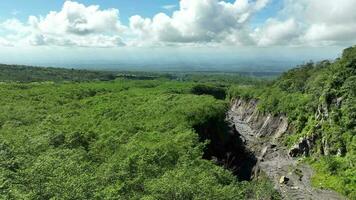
[262, 124]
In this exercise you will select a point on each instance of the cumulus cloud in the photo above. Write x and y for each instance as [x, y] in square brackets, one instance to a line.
[5, 43]
[102, 41]
[193, 23]
[77, 19]
[311, 22]
[74, 25]
[198, 21]
[276, 32]
[330, 21]
[14, 26]
[77, 25]
[13, 32]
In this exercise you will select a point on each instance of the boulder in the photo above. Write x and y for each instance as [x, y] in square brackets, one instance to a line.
[283, 180]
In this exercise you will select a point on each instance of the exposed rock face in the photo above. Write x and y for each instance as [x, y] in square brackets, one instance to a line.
[303, 147]
[267, 125]
[262, 124]
[325, 147]
[258, 132]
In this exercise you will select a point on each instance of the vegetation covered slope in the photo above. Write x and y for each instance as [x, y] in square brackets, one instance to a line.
[30, 74]
[319, 100]
[110, 140]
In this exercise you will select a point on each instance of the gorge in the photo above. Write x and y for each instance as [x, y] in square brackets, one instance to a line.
[247, 142]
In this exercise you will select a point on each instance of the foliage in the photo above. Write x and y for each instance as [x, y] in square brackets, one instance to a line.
[217, 92]
[227, 78]
[76, 137]
[319, 99]
[335, 173]
[30, 74]
[109, 140]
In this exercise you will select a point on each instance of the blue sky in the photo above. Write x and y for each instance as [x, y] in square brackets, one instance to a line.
[22, 9]
[31, 32]
[42, 7]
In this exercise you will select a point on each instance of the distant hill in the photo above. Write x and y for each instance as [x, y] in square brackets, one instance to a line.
[22, 73]
[30, 74]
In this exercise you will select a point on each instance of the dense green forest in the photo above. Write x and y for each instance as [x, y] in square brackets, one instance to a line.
[77, 134]
[122, 139]
[21, 73]
[319, 100]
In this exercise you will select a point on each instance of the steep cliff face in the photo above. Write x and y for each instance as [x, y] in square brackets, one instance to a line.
[260, 132]
[271, 126]
[262, 124]
[319, 101]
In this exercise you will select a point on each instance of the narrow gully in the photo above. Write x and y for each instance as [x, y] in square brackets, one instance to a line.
[226, 148]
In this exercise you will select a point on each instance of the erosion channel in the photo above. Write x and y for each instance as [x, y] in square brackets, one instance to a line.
[249, 147]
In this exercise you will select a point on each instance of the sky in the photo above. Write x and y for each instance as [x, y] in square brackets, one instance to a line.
[215, 34]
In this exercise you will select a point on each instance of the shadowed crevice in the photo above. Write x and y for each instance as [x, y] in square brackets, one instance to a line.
[226, 148]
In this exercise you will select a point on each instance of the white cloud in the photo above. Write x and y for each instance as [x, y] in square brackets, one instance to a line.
[330, 21]
[276, 32]
[5, 43]
[13, 32]
[310, 22]
[74, 25]
[331, 11]
[169, 7]
[197, 21]
[78, 25]
[194, 23]
[102, 41]
[14, 26]
[77, 19]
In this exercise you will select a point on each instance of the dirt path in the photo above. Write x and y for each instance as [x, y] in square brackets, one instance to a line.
[275, 162]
